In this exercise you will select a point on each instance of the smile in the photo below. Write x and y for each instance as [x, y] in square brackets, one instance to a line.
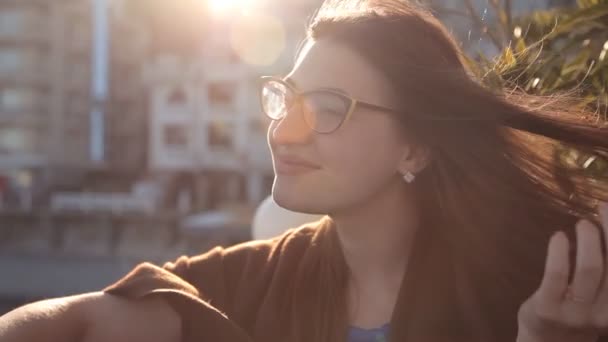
[293, 166]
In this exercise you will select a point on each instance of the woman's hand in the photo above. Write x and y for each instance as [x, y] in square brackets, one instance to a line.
[576, 312]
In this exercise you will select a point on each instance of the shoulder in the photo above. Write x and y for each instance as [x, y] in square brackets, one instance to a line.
[221, 275]
[238, 278]
[294, 240]
[252, 256]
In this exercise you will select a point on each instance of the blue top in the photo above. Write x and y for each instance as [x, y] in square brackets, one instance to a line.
[368, 335]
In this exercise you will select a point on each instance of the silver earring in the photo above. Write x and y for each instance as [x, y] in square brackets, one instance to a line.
[408, 177]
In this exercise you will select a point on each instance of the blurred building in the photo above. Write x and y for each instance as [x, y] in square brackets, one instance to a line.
[75, 114]
[207, 132]
[49, 51]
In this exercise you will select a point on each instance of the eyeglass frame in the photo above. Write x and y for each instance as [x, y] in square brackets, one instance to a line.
[298, 95]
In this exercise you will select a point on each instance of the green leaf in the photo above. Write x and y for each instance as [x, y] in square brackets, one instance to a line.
[580, 17]
[599, 86]
[587, 3]
[520, 46]
[506, 60]
[579, 64]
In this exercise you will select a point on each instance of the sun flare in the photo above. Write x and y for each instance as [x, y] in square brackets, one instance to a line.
[225, 6]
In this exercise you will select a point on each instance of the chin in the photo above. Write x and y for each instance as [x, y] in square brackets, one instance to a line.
[297, 201]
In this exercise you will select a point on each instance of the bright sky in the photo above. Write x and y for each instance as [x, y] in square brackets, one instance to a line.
[226, 6]
[256, 37]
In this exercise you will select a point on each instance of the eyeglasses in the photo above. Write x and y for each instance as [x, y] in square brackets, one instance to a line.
[324, 110]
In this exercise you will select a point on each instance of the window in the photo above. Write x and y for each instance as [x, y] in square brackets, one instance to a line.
[175, 136]
[16, 99]
[221, 94]
[10, 60]
[220, 135]
[11, 22]
[17, 140]
[177, 97]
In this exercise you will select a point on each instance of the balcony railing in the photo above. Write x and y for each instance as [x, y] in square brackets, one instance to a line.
[126, 235]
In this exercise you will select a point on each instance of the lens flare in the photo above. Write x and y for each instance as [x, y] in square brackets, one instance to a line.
[258, 39]
[220, 7]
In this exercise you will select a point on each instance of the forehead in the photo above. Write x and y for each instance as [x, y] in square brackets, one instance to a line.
[326, 64]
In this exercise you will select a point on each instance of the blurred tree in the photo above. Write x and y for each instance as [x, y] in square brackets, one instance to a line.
[553, 51]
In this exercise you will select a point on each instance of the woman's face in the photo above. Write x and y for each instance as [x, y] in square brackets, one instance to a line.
[351, 165]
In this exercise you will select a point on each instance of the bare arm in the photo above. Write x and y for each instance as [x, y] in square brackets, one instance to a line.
[92, 317]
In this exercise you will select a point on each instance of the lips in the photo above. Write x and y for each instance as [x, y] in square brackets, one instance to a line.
[290, 165]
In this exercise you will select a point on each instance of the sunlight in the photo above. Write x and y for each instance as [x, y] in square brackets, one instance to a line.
[258, 39]
[220, 7]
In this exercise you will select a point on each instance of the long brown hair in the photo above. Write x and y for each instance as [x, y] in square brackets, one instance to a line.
[491, 197]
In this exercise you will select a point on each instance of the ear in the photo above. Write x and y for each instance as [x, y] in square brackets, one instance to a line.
[415, 158]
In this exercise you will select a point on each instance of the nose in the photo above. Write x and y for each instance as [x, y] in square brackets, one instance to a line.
[291, 129]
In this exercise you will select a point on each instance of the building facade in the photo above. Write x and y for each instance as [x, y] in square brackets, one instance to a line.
[205, 117]
[47, 72]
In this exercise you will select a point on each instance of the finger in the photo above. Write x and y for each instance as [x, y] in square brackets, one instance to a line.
[557, 267]
[601, 304]
[603, 210]
[589, 264]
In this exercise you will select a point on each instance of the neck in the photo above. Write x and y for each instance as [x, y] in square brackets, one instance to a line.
[376, 236]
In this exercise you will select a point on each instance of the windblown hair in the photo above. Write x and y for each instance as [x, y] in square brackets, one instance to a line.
[491, 197]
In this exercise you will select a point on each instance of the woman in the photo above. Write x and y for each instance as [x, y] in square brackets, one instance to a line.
[448, 219]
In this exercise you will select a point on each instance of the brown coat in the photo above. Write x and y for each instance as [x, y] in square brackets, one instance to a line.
[239, 294]
[228, 294]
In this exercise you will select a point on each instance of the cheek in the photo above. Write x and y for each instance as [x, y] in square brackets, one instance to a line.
[356, 165]
[362, 163]
[350, 177]
[370, 145]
